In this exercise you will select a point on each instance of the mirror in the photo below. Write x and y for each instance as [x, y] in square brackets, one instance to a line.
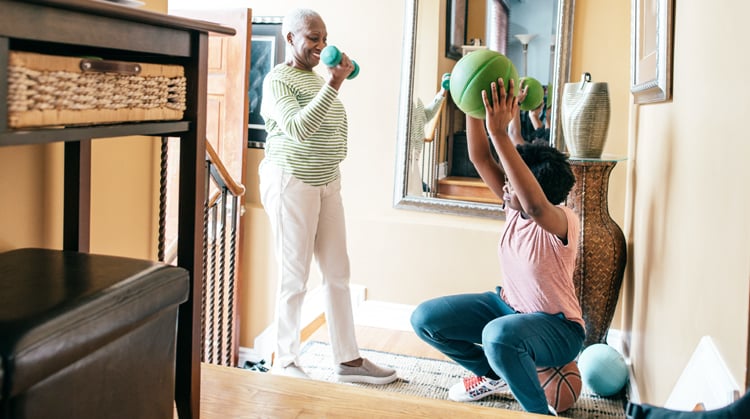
[424, 62]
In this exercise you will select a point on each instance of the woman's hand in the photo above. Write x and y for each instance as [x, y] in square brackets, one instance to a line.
[338, 73]
[502, 109]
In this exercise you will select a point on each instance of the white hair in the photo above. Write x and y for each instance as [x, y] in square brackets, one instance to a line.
[295, 20]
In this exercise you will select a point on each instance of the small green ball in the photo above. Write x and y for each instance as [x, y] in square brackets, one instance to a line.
[534, 96]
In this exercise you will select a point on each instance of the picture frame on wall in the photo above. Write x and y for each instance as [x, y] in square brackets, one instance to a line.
[267, 51]
[651, 46]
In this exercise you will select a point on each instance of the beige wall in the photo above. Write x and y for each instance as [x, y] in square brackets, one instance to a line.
[27, 184]
[689, 229]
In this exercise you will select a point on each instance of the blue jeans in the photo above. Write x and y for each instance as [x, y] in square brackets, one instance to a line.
[489, 338]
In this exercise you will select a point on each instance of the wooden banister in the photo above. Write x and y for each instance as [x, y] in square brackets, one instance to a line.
[220, 326]
[235, 188]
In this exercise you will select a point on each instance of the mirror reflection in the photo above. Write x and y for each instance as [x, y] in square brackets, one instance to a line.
[433, 169]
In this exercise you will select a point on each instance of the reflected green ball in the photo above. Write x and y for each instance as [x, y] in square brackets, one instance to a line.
[535, 95]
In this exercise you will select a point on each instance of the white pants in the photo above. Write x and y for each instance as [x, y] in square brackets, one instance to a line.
[414, 183]
[305, 221]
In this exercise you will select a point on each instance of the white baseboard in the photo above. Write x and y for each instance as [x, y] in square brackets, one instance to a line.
[263, 345]
[615, 340]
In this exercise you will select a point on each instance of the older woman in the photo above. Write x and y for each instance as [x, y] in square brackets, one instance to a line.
[300, 186]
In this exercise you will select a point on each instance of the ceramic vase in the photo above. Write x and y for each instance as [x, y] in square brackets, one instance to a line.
[585, 117]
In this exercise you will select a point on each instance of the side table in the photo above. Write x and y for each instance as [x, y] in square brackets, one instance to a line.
[85, 28]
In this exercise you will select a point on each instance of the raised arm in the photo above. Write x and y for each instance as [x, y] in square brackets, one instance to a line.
[479, 154]
[515, 131]
[535, 115]
[433, 108]
[528, 191]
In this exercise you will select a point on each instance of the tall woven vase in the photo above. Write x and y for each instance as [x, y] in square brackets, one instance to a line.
[602, 251]
[585, 117]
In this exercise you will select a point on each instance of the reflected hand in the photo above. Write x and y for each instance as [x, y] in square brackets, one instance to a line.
[522, 94]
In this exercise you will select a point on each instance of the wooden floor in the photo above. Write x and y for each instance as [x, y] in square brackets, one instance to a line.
[228, 393]
[386, 340]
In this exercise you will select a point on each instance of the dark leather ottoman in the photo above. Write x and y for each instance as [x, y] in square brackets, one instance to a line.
[87, 336]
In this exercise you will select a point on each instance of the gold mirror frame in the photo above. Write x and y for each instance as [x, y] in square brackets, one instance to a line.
[561, 75]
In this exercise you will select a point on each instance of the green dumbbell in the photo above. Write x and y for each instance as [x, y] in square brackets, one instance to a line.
[331, 56]
[446, 82]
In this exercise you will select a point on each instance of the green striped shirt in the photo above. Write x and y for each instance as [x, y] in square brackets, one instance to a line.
[420, 116]
[306, 124]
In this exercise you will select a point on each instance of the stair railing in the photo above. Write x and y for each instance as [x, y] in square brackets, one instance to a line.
[220, 315]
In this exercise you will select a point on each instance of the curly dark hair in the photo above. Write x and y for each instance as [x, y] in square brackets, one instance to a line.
[550, 168]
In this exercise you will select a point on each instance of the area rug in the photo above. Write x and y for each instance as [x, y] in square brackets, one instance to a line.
[432, 378]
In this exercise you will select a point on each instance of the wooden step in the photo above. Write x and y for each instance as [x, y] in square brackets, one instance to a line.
[237, 393]
[466, 189]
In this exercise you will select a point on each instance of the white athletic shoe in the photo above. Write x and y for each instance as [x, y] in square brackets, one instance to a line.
[475, 388]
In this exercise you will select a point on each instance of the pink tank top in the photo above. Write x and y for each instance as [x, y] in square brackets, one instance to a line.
[538, 267]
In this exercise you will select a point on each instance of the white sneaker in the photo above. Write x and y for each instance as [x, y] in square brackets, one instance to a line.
[475, 388]
[291, 370]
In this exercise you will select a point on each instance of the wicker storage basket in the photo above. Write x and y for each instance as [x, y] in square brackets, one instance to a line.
[47, 90]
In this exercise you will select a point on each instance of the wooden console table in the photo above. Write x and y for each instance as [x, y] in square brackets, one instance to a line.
[101, 29]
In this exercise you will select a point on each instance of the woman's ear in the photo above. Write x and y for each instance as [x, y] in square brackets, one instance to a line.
[289, 37]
